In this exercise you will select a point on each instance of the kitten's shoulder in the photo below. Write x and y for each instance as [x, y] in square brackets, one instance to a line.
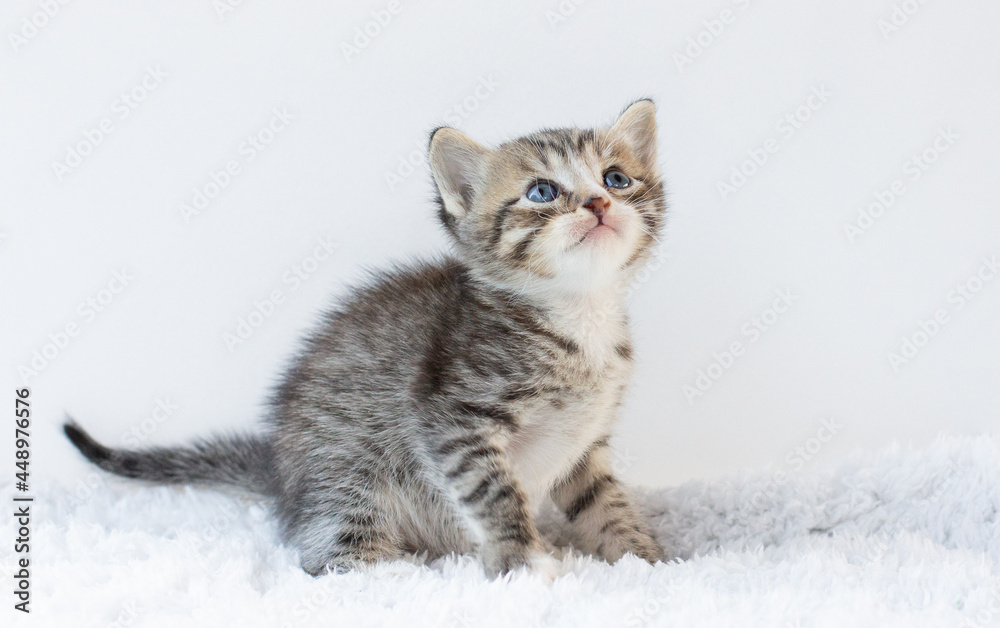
[401, 295]
[408, 282]
[391, 309]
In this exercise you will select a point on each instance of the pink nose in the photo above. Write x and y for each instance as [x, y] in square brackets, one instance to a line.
[598, 205]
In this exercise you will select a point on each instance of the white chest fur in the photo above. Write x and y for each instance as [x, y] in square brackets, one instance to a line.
[555, 432]
[551, 441]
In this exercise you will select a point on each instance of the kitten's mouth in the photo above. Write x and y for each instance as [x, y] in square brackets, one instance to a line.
[599, 232]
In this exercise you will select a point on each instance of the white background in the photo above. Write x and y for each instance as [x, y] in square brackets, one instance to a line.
[325, 175]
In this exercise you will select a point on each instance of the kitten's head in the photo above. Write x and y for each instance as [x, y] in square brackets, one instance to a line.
[572, 208]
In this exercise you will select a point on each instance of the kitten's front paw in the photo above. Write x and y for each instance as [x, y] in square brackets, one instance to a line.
[536, 560]
[497, 563]
[648, 549]
[544, 565]
[638, 543]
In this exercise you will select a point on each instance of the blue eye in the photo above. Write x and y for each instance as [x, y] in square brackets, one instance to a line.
[542, 192]
[616, 179]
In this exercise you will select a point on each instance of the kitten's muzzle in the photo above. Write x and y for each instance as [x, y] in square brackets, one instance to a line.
[598, 205]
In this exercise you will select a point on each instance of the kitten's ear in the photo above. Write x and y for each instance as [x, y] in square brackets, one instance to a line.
[458, 165]
[637, 128]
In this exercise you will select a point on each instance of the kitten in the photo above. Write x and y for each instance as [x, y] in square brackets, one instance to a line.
[439, 405]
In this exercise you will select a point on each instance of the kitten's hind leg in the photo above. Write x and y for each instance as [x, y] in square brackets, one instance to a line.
[343, 535]
[348, 547]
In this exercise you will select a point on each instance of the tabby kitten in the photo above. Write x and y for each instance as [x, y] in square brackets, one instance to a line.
[437, 407]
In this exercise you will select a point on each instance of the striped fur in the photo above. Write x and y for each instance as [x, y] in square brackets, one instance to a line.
[438, 406]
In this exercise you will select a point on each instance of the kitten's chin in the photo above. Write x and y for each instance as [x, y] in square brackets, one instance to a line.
[604, 247]
[597, 260]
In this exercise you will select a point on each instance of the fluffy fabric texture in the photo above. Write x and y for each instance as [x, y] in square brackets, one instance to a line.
[904, 538]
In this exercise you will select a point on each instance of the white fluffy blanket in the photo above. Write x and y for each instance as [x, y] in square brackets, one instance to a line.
[904, 538]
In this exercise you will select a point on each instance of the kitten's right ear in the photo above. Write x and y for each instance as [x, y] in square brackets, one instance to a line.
[458, 164]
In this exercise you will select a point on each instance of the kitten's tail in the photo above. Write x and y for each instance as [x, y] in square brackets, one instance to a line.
[243, 461]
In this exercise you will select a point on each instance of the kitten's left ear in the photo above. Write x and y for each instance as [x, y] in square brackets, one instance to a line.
[458, 164]
[637, 127]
